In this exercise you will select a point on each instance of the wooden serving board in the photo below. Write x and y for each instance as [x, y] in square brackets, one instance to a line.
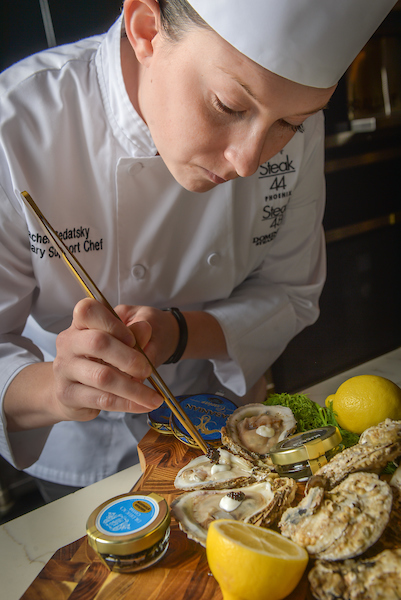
[76, 573]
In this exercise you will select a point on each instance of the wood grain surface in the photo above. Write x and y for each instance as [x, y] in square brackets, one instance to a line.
[76, 573]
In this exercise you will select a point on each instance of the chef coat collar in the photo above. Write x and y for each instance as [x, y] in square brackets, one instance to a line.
[126, 122]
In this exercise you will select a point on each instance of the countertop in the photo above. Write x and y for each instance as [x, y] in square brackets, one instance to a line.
[28, 542]
[388, 365]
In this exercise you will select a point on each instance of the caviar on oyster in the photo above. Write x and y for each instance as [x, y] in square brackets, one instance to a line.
[226, 471]
[253, 429]
[213, 455]
[231, 501]
[260, 503]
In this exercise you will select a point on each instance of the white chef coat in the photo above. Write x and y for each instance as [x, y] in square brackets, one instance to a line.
[250, 252]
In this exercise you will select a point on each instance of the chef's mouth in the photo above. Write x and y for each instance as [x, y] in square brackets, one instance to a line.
[213, 177]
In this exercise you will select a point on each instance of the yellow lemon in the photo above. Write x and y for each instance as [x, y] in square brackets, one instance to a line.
[329, 399]
[253, 563]
[366, 400]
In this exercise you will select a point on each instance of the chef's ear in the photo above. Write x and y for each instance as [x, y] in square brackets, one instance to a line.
[142, 23]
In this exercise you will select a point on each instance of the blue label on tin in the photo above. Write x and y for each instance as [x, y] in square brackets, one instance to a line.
[208, 412]
[127, 515]
[161, 415]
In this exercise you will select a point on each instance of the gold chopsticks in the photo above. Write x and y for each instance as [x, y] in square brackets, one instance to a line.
[93, 292]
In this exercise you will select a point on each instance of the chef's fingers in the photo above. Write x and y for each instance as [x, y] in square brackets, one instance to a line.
[114, 391]
[97, 368]
[100, 346]
[142, 331]
[127, 313]
[164, 330]
[134, 317]
[91, 314]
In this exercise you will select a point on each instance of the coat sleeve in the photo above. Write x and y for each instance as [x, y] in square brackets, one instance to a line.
[17, 287]
[281, 296]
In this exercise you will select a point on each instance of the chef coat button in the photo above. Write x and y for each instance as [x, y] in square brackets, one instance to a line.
[136, 168]
[138, 271]
[214, 259]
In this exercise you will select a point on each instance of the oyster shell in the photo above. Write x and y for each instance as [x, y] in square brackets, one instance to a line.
[343, 522]
[260, 503]
[376, 447]
[373, 578]
[230, 471]
[253, 429]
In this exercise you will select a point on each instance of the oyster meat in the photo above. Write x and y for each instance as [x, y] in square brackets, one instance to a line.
[260, 503]
[253, 429]
[227, 471]
[377, 578]
[376, 447]
[341, 523]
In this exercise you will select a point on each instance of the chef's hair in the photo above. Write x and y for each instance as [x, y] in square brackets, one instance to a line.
[177, 17]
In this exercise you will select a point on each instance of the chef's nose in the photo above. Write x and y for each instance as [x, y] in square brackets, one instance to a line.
[245, 154]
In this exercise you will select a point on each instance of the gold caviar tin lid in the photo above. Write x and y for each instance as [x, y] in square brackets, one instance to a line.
[309, 446]
[128, 524]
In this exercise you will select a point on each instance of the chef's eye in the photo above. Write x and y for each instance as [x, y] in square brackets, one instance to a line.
[293, 128]
[223, 108]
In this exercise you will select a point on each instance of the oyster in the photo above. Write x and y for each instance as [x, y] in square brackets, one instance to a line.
[253, 429]
[376, 578]
[376, 447]
[260, 503]
[341, 523]
[394, 525]
[227, 471]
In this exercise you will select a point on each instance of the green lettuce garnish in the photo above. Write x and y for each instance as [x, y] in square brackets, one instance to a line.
[349, 438]
[310, 415]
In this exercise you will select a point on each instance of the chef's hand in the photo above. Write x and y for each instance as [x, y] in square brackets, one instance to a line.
[164, 330]
[97, 367]
[206, 338]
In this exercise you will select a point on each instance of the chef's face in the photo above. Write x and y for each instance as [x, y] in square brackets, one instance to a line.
[214, 114]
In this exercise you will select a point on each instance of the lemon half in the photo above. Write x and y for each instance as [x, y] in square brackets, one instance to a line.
[253, 563]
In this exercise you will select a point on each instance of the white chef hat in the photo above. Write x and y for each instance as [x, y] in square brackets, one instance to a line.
[308, 41]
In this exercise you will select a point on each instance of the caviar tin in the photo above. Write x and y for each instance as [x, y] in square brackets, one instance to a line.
[159, 419]
[208, 413]
[130, 532]
[300, 456]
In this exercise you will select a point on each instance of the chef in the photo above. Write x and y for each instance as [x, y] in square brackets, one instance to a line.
[180, 158]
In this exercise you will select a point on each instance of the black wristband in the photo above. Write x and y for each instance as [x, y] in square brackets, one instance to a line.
[183, 339]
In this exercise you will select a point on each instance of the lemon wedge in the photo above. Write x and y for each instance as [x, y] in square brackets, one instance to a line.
[253, 563]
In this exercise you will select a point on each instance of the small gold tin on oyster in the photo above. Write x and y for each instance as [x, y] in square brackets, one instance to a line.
[130, 532]
[300, 456]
